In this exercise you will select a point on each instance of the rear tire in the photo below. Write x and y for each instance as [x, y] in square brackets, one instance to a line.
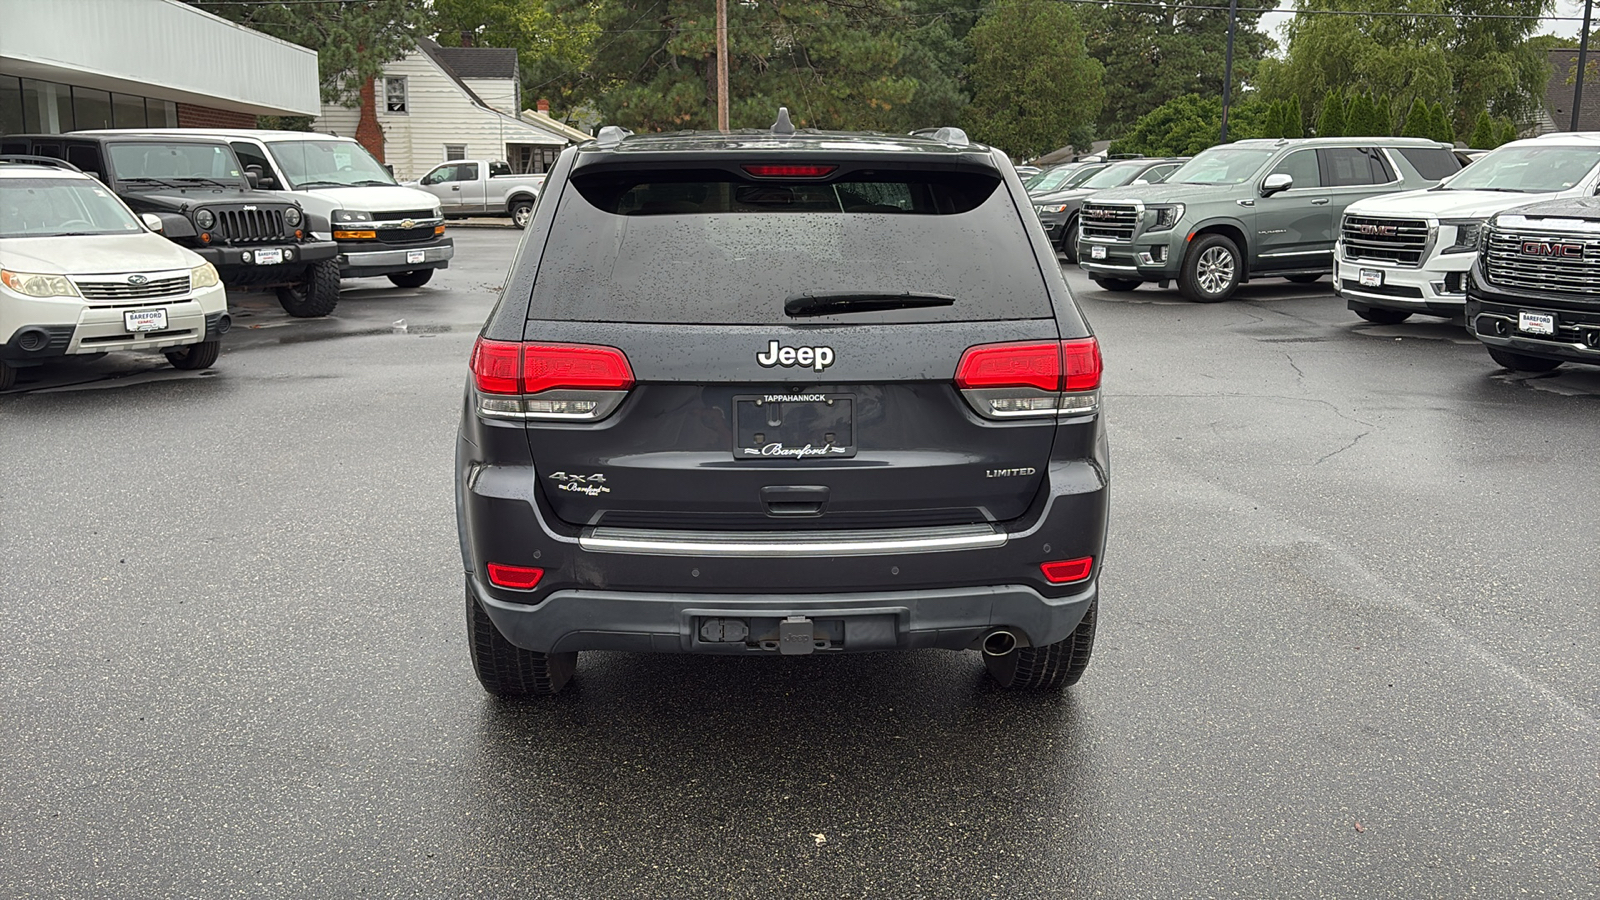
[1211, 270]
[1518, 362]
[1117, 285]
[194, 356]
[1383, 316]
[522, 213]
[1051, 667]
[1303, 279]
[1069, 240]
[506, 670]
[8, 375]
[317, 295]
[412, 279]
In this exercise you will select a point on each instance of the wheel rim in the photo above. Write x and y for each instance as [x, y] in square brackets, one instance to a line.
[523, 214]
[1214, 270]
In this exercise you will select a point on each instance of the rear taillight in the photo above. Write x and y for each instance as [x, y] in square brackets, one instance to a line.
[1031, 378]
[526, 380]
[517, 578]
[1067, 571]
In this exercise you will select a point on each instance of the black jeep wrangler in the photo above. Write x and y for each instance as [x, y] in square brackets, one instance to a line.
[255, 238]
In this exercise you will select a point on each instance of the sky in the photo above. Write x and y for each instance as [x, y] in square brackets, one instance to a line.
[1572, 9]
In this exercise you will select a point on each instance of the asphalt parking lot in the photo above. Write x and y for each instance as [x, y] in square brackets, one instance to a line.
[1348, 644]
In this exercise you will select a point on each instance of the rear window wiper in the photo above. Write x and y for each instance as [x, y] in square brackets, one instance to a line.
[802, 305]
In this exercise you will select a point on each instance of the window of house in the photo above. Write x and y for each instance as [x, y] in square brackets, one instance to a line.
[395, 96]
[455, 151]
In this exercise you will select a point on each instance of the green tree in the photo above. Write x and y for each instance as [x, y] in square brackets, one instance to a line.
[1419, 120]
[354, 39]
[1294, 118]
[1444, 129]
[554, 42]
[1034, 86]
[1482, 137]
[1330, 120]
[1163, 49]
[1505, 132]
[1183, 126]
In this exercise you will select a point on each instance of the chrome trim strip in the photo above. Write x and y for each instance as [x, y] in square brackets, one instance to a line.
[790, 544]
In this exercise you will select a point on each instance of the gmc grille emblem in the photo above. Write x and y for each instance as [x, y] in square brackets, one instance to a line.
[1382, 230]
[1101, 213]
[1552, 248]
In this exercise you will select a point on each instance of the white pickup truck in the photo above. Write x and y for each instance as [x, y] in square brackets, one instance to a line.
[475, 187]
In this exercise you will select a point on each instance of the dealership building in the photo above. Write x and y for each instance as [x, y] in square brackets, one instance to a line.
[68, 66]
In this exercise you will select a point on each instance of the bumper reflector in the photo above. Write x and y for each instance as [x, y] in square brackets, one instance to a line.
[517, 578]
[1067, 571]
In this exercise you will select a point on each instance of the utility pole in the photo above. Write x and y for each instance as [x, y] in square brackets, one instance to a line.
[1583, 63]
[1227, 69]
[722, 65]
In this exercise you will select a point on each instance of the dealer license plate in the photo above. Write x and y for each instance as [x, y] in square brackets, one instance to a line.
[1097, 252]
[1536, 323]
[415, 256]
[795, 426]
[269, 256]
[1372, 278]
[145, 320]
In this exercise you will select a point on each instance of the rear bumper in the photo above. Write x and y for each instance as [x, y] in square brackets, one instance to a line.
[951, 619]
[366, 258]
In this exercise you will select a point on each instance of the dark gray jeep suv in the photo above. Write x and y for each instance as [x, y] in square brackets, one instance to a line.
[782, 393]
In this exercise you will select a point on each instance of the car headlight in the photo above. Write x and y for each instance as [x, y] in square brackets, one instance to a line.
[1469, 234]
[438, 213]
[31, 285]
[203, 276]
[205, 219]
[351, 215]
[292, 216]
[1050, 209]
[1167, 216]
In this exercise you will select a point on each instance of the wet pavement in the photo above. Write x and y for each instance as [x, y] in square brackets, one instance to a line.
[1348, 646]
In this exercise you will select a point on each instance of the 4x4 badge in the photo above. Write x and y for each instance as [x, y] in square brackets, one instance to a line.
[593, 485]
[818, 358]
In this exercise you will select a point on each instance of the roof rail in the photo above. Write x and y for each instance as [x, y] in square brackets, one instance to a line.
[39, 161]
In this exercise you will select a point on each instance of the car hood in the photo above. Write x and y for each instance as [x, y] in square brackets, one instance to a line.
[95, 254]
[1446, 204]
[1064, 196]
[1584, 208]
[376, 198]
[1151, 194]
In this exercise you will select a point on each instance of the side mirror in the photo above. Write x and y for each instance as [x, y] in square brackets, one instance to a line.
[1277, 181]
[151, 221]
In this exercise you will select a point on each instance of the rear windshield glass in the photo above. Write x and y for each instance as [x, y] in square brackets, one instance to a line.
[1433, 163]
[709, 247]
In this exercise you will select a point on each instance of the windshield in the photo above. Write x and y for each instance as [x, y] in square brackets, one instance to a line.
[1049, 178]
[1221, 165]
[328, 163]
[51, 207]
[1115, 175]
[1534, 170]
[174, 162]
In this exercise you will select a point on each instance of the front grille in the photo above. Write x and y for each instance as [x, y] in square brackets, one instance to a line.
[122, 290]
[1402, 241]
[248, 225]
[405, 235]
[1539, 261]
[418, 214]
[1106, 221]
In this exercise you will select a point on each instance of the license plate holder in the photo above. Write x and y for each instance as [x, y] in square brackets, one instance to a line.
[269, 256]
[142, 320]
[1097, 252]
[794, 426]
[1536, 323]
[1371, 278]
[415, 256]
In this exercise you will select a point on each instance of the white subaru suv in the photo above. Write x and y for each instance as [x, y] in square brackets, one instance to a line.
[1406, 253]
[80, 274]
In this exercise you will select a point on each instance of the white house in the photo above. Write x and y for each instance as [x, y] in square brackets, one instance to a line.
[441, 103]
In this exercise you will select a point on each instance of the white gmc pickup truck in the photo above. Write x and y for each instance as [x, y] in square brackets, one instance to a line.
[475, 187]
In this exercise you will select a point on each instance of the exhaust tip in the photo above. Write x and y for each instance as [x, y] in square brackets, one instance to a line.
[999, 643]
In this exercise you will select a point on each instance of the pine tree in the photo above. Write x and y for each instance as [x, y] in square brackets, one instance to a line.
[1419, 121]
[1294, 118]
[1505, 133]
[1482, 132]
[1357, 118]
[1330, 121]
[1444, 129]
[1383, 115]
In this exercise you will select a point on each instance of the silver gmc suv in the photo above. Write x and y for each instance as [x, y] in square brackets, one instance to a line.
[1251, 209]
